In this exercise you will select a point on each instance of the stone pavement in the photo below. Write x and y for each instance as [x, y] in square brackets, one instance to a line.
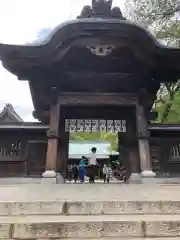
[91, 192]
[25, 180]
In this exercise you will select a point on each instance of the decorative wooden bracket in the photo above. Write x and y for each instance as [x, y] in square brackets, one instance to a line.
[54, 95]
[52, 134]
[143, 135]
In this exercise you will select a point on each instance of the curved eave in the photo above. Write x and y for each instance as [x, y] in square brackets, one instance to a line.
[73, 28]
[82, 27]
[18, 57]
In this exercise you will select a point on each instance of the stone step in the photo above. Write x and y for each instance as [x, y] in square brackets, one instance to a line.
[82, 227]
[88, 207]
[122, 207]
[112, 238]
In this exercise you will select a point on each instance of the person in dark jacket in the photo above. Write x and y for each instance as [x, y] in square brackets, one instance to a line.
[75, 173]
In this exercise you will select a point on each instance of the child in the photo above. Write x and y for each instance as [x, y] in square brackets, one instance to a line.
[109, 174]
[105, 172]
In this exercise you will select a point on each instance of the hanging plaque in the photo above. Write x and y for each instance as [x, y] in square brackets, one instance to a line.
[123, 124]
[72, 125]
[80, 125]
[87, 126]
[110, 126]
[117, 126]
[95, 126]
[102, 126]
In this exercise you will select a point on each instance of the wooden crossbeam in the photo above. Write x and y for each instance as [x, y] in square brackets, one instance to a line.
[97, 99]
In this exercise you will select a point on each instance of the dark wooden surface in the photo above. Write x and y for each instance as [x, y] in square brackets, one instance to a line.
[97, 99]
[19, 163]
[36, 157]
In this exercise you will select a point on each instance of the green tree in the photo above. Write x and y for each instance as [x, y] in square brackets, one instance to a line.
[161, 18]
[166, 103]
[102, 136]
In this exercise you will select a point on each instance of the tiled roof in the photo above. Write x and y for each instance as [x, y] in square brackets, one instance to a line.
[9, 114]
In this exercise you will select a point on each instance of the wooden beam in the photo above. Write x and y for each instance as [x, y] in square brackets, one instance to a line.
[172, 140]
[97, 99]
[96, 112]
[94, 74]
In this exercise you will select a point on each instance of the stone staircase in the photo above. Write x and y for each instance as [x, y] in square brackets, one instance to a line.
[97, 220]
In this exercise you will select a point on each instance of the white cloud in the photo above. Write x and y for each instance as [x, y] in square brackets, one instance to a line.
[20, 21]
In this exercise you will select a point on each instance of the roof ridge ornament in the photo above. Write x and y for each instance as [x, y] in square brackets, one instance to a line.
[101, 9]
[9, 106]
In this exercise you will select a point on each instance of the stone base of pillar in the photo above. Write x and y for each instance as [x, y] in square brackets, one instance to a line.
[49, 174]
[148, 174]
[59, 179]
[49, 177]
[148, 177]
[135, 178]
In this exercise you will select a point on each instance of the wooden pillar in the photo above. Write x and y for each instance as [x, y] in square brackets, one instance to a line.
[23, 152]
[53, 135]
[63, 148]
[134, 160]
[133, 155]
[53, 138]
[66, 153]
[122, 149]
[143, 141]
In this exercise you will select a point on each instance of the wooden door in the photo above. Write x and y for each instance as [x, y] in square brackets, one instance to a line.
[36, 157]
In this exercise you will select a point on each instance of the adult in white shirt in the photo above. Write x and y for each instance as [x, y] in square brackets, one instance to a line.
[92, 164]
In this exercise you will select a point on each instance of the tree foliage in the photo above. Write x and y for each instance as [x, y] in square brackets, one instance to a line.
[168, 103]
[163, 19]
[104, 136]
[160, 16]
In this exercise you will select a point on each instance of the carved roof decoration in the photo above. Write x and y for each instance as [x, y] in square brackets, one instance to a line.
[101, 50]
[101, 9]
[8, 114]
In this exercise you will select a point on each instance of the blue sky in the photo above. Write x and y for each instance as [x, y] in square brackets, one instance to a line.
[20, 22]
